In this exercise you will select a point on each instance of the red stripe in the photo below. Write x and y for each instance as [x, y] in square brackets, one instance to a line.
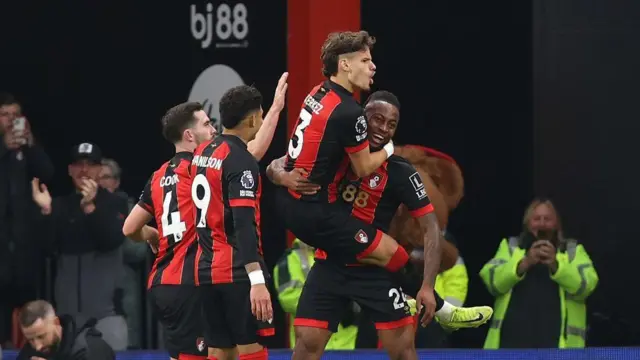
[355, 149]
[422, 211]
[242, 202]
[372, 194]
[267, 332]
[191, 357]
[195, 267]
[311, 323]
[332, 189]
[372, 247]
[394, 324]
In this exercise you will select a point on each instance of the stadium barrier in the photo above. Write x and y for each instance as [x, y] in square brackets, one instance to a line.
[450, 354]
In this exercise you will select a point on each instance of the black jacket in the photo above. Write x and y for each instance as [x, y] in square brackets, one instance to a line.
[71, 231]
[85, 343]
[19, 245]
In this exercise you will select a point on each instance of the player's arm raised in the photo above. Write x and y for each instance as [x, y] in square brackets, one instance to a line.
[356, 144]
[135, 225]
[258, 146]
[243, 188]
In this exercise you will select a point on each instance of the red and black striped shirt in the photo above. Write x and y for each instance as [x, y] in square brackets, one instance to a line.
[331, 125]
[226, 197]
[375, 199]
[167, 196]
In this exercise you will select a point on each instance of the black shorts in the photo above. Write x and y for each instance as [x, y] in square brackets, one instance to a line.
[329, 227]
[330, 288]
[179, 311]
[228, 320]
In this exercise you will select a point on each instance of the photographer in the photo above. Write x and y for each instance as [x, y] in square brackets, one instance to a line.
[84, 230]
[21, 259]
[59, 337]
[541, 281]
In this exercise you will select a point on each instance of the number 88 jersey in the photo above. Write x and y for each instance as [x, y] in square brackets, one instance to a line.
[167, 196]
[375, 199]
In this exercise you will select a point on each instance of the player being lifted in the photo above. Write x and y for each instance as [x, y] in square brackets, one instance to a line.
[330, 136]
[373, 199]
[226, 193]
[167, 198]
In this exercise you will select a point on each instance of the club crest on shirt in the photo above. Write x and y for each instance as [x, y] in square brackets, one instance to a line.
[362, 237]
[374, 180]
[361, 125]
[247, 179]
[200, 345]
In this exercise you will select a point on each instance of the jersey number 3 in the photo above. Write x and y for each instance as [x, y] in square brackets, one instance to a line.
[298, 135]
[177, 227]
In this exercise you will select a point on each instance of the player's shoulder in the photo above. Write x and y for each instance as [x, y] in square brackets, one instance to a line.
[399, 163]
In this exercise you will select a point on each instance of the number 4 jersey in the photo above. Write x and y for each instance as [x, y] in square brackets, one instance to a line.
[226, 194]
[167, 196]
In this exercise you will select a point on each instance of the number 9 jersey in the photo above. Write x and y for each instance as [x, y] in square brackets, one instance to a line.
[167, 196]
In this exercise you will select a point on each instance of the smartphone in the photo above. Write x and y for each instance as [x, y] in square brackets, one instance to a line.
[19, 124]
[547, 235]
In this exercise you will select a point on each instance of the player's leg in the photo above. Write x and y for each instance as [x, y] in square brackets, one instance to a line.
[320, 309]
[244, 329]
[216, 329]
[385, 302]
[399, 342]
[179, 310]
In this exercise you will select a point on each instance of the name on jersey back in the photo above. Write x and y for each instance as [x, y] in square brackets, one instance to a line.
[169, 180]
[315, 106]
[207, 162]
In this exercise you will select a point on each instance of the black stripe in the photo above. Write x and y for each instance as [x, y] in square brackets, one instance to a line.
[173, 206]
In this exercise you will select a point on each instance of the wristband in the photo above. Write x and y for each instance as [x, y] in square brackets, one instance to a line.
[256, 277]
[389, 149]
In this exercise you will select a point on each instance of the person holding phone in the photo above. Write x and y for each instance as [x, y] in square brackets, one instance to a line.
[540, 280]
[21, 258]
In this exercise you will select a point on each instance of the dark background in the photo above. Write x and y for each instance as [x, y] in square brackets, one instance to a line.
[530, 97]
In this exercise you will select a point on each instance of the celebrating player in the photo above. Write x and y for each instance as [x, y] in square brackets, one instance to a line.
[167, 197]
[373, 199]
[331, 126]
[226, 194]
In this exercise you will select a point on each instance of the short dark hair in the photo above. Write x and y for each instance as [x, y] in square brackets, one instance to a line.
[34, 310]
[7, 99]
[237, 103]
[386, 96]
[177, 119]
[339, 43]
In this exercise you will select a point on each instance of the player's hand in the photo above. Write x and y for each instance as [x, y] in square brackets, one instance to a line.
[426, 300]
[88, 189]
[154, 241]
[281, 93]
[261, 302]
[296, 180]
[40, 195]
